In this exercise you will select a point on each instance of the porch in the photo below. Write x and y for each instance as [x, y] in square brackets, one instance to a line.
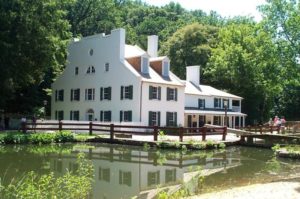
[197, 118]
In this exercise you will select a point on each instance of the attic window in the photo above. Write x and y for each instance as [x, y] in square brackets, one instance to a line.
[145, 65]
[166, 68]
[106, 68]
[91, 52]
[91, 69]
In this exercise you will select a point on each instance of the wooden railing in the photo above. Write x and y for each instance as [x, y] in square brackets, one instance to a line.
[114, 129]
[261, 129]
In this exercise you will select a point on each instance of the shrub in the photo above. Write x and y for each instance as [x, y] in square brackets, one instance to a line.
[64, 136]
[42, 138]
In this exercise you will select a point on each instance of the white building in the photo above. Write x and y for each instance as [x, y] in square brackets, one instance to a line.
[109, 81]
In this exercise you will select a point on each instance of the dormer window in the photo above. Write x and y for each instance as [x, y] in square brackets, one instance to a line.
[145, 65]
[91, 52]
[106, 67]
[166, 68]
[91, 69]
[76, 70]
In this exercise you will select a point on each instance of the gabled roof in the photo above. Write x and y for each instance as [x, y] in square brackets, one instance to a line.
[158, 58]
[133, 51]
[204, 90]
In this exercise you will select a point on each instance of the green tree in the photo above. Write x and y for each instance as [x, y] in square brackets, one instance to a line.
[245, 63]
[33, 38]
[190, 45]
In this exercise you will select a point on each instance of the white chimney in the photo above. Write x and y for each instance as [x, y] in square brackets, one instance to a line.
[193, 74]
[152, 45]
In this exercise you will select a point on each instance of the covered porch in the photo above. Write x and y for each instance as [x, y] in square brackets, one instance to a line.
[197, 118]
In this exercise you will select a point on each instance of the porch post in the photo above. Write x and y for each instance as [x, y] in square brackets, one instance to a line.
[240, 118]
[234, 122]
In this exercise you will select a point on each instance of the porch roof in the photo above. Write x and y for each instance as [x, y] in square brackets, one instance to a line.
[207, 112]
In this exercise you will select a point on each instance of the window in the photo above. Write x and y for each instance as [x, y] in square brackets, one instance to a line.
[59, 95]
[154, 118]
[125, 116]
[59, 115]
[235, 103]
[105, 116]
[90, 94]
[217, 120]
[125, 178]
[171, 94]
[154, 92]
[170, 175]
[126, 92]
[76, 70]
[217, 102]
[91, 52]
[171, 119]
[105, 93]
[166, 66]
[104, 174]
[75, 94]
[153, 178]
[201, 103]
[106, 67]
[145, 65]
[74, 115]
[90, 70]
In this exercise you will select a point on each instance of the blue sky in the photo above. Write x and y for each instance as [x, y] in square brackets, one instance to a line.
[226, 8]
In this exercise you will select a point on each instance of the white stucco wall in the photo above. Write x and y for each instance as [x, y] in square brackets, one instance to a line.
[106, 49]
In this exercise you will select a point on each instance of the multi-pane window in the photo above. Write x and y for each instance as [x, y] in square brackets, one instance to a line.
[105, 116]
[104, 174]
[90, 70]
[145, 65]
[217, 102]
[166, 66]
[171, 119]
[154, 118]
[74, 115]
[125, 116]
[217, 120]
[170, 175]
[59, 95]
[127, 92]
[154, 92]
[90, 94]
[125, 178]
[201, 103]
[153, 178]
[59, 115]
[105, 93]
[76, 70]
[75, 94]
[171, 94]
[106, 67]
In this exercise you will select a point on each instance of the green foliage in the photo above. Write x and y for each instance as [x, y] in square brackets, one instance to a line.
[70, 185]
[276, 147]
[64, 136]
[146, 146]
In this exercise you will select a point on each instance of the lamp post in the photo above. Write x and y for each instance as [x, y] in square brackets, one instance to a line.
[45, 104]
[225, 107]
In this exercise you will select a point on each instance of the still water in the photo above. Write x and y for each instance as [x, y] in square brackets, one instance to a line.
[124, 171]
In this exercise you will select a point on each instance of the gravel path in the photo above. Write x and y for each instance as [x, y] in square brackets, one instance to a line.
[274, 190]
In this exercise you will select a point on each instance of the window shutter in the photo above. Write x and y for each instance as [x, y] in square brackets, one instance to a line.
[101, 93]
[215, 102]
[71, 118]
[101, 116]
[122, 92]
[78, 94]
[72, 91]
[55, 95]
[159, 93]
[121, 116]
[85, 94]
[158, 118]
[168, 94]
[62, 98]
[109, 115]
[175, 118]
[167, 119]
[204, 104]
[150, 92]
[150, 118]
[199, 103]
[130, 92]
[109, 93]
[176, 92]
[130, 116]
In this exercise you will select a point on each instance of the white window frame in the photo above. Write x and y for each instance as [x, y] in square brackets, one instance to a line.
[89, 94]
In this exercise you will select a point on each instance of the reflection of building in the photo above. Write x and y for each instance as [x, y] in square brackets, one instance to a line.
[123, 173]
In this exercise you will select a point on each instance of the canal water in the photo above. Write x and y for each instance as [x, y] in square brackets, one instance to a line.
[125, 172]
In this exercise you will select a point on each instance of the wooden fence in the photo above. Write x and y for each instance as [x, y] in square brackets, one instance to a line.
[261, 129]
[115, 130]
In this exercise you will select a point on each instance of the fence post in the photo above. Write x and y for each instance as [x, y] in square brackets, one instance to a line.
[60, 125]
[155, 133]
[90, 128]
[224, 133]
[260, 129]
[111, 131]
[271, 129]
[24, 127]
[204, 130]
[278, 129]
[181, 134]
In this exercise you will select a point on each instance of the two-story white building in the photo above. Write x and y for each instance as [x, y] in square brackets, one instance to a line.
[109, 81]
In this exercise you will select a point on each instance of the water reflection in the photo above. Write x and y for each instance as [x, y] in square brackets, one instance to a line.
[124, 172]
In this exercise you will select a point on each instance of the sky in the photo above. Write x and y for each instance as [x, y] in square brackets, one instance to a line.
[226, 8]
